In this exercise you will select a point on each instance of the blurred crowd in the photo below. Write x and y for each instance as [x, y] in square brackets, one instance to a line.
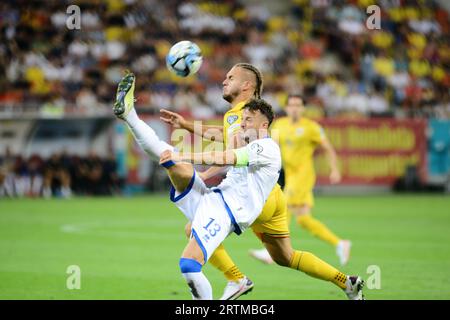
[319, 48]
[61, 175]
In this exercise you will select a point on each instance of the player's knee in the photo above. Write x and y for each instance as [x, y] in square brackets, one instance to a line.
[282, 257]
[303, 219]
[189, 265]
[282, 260]
[300, 210]
[188, 229]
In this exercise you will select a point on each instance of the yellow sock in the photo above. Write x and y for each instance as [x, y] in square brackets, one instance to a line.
[317, 268]
[222, 261]
[318, 229]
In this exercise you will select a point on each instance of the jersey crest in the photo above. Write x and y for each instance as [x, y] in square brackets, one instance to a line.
[299, 131]
[257, 147]
[232, 119]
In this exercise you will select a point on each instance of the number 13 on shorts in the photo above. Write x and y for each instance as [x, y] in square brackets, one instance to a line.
[211, 228]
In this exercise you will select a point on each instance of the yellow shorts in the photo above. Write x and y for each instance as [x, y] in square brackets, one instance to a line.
[299, 189]
[273, 218]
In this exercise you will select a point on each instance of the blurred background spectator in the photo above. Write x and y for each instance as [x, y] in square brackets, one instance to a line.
[61, 175]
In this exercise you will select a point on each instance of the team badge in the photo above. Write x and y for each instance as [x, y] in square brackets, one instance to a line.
[299, 131]
[232, 119]
[257, 147]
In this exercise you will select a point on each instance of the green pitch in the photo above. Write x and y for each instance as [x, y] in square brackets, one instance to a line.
[128, 248]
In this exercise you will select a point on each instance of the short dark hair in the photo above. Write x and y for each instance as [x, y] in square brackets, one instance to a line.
[263, 106]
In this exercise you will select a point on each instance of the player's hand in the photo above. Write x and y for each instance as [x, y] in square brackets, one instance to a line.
[169, 155]
[237, 140]
[335, 176]
[172, 118]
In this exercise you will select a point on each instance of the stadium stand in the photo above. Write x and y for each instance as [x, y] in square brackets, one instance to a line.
[329, 56]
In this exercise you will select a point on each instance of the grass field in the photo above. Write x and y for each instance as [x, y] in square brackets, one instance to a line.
[128, 248]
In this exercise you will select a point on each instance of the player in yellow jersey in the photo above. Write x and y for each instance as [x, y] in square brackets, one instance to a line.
[298, 138]
[243, 83]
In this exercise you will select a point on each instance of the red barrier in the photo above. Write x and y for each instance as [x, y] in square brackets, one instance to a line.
[375, 151]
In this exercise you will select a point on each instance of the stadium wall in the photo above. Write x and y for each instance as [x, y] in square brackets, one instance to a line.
[45, 136]
[374, 151]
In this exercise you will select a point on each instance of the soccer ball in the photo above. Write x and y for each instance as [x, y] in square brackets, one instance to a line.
[184, 58]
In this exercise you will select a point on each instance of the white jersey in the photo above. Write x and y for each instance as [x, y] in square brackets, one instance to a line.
[246, 189]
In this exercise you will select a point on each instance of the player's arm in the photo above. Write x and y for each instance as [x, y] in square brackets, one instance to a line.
[335, 175]
[235, 157]
[209, 132]
[214, 158]
[236, 141]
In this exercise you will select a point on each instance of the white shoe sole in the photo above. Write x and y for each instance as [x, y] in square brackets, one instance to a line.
[241, 292]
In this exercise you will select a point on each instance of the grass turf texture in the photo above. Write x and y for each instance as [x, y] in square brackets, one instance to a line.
[128, 248]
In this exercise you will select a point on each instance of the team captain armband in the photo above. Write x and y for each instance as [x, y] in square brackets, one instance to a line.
[241, 157]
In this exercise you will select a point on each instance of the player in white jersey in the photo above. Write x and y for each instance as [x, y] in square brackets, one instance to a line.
[233, 205]
[246, 187]
[215, 212]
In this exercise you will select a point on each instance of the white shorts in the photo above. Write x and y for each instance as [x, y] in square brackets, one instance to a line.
[212, 221]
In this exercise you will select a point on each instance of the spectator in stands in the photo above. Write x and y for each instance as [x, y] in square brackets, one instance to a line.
[86, 102]
[57, 180]
[35, 177]
[110, 178]
[99, 176]
[3, 174]
[6, 176]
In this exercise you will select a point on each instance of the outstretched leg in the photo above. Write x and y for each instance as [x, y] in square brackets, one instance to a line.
[284, 255]
[144, 135]
[180, 174]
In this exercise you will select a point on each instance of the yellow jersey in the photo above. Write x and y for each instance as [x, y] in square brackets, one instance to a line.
[298, 142]
[232, 121]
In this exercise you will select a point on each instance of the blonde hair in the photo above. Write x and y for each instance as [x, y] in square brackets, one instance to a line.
[258, 76]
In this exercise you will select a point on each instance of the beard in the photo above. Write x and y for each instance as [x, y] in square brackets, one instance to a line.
[229, 97]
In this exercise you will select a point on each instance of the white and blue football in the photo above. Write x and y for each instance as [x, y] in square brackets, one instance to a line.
[184, 58]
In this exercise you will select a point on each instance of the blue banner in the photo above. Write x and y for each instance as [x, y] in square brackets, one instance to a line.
[439, 148]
